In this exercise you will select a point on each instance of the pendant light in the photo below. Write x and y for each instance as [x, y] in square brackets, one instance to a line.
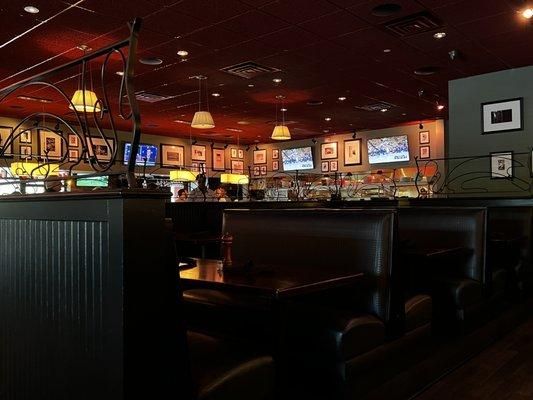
[85, 100]
[202, 119]
[281, 131]
[182, 175]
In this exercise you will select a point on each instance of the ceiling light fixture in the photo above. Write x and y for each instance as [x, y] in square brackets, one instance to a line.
[183, 53]
[387, 50]
[85, 100]
[283, 109]
[342, 98]
[354, 134]
[281, 131]
[31, 9]
[439, 35]
[421, 125]
[440, 107]
[327, 119]
[215, 94]
[313, 140]
[527, 13]
[276, 80]
[384, 110]
[120, 73]
[202, 119]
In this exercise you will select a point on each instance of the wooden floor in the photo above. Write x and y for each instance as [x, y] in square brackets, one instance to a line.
[504, 371]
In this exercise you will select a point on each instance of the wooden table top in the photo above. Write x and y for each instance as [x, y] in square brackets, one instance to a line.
[271, 281]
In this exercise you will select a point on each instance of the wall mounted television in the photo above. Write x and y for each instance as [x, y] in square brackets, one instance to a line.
[299, 158]
[147, 153]
[388, 149]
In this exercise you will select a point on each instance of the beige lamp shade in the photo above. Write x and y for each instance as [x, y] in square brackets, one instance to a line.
[281, 132]
[202, 120]
[235, 179]
[27, 169]
[182, 175]
[90, 101]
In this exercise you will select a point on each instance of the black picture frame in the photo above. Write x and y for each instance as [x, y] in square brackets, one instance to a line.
[511, 176]
[346, 164]
[521, 128]
[420, 152]
[162, 163]
[9, 150]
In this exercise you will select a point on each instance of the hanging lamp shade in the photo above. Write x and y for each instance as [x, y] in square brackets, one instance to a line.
[235, 179]
[202, 120]
[182, 175]
[27, 169]
[281, 132]
[90, 101]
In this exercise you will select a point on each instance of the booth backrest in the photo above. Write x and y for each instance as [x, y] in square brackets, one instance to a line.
[354, 240]
[511, 222]
[436, 227]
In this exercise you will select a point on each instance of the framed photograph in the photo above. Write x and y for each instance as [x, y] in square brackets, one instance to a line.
[423, 137]
[275, 165]
[352, 152]
[73, 155]
[100, 148]
[219, 159]
[233, 153]
[198, 152]
[329, 150]
[324, 166]
[260, 156]
[50, 145]
[263, 169]
[502, 116]
[275, 154]
[333, 166]
[501, 165]
[5, 132]
[256, 170]
[237, 166]
[195, 167]
[424, 152]
[73, 141]
[172, 155]
[25, 152]
[240, 153]
[25, 136]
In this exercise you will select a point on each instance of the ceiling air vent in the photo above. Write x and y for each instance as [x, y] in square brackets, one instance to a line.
[248, 70]
[413, 24]
[382, 105]
[150, 97]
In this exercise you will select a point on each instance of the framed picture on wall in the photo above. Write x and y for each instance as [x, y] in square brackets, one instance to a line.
[256, 170]
[260, 156]
[502, 116]
[501, 165]
[25, 152]
[219, 160]
[195, 167]
[263, 169]
[329, 150]
[324, 167]
[275, 154]
[237, 166]
[100, 148]
[424, 152]
[198, 152]
[73, 155]
[352, 152]
[73, 141]
[233, 152]
[423, 137]
[50, 145]
[5, 132]
[25, 136]
[240, 153]
[172, 155]
[275, 165]
[333, 166]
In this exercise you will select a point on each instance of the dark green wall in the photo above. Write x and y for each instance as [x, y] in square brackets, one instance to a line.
[464, 133]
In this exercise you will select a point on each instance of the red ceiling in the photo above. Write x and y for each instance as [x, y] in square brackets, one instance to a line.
[324, 49]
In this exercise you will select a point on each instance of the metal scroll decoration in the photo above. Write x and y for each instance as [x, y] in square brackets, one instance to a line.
[87, 123]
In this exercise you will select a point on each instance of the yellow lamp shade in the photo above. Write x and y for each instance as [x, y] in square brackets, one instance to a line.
[202, 120]
[90, 101]
[182, 175]
[281, 132]
[27, 169]
[235, 179]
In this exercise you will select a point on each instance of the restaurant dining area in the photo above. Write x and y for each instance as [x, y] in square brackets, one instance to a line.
[266, 199]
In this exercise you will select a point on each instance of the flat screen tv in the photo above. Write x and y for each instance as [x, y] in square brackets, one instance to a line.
[388, 149]
[299, 158]
[147, 154]
[95, 181]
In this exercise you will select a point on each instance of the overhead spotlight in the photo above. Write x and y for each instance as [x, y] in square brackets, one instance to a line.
[313, 140]
[247, 148]
[527, 13]
[440, 107]
[183, 53]
[327, 119]
[215, 94]
[226, 145]
[256, 147]
[276, 80]
[439, 35]
[354, 134]
[194, 141]
[212, 144]
[421, 92]
[421, 125]
[31, 9]
[453, 54]
[342, 98]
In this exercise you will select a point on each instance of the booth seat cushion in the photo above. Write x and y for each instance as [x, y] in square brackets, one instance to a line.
[225, 372]
[418, 312]
[461, 292]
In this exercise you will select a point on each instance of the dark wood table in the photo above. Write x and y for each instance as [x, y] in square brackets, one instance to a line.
[269, 281]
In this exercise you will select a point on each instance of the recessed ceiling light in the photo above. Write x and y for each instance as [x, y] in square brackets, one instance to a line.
[283, 109]
[439, 35]
[151, 61]
[327, 119]
[387, 50]
[243, 122]
[119, 73]
[276, 80]
[215, 94]
[425, 71]
[527, 13]
[342, 98]
[383, 110]
[31, 9]
[440, 107]
[251, 85]
[183, 53]
[326, 131]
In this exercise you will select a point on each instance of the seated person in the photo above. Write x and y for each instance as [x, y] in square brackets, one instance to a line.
[182, 195]
[220, 194]
[202, 192]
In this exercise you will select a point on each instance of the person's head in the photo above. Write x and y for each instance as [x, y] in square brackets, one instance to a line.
[201, 179]
[220, 192]
[52, 184]
[183, 194]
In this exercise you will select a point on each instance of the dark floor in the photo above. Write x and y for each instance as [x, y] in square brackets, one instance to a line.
[501, 372]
